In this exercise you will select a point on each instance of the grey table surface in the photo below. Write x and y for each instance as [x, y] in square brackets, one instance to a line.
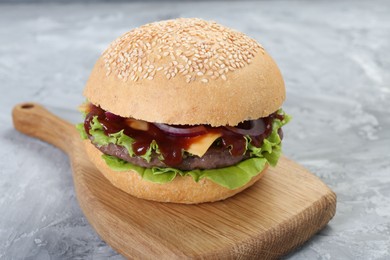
[335, 58]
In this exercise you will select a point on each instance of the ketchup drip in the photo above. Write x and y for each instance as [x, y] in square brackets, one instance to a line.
[171, 147]
[235, 142]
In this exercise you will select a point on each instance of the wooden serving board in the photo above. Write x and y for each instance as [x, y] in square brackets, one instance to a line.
[277, 214]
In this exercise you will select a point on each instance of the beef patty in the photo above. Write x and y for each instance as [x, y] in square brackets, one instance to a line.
[215, 157]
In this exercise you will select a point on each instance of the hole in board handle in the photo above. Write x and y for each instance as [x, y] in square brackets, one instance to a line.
[27, 106]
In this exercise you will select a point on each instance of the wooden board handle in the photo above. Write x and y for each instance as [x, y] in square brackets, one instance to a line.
[34, 120]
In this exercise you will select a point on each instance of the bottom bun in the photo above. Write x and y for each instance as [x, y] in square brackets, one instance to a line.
[180, 190]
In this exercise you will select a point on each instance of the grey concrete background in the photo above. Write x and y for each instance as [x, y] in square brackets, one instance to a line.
[335, 58]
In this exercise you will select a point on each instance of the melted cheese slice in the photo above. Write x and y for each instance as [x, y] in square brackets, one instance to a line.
[201, 144]
[137, 124]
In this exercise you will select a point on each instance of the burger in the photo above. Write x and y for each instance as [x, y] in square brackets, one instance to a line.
[185, 111]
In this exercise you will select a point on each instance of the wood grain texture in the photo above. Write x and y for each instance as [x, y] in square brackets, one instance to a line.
[277, 214]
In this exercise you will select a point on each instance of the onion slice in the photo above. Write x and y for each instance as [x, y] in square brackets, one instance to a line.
[256, 127]
[182, 130]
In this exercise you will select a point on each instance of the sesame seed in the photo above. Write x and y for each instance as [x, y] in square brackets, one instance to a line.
[182, 47]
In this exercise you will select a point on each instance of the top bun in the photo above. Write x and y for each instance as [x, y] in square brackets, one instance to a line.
[186, 71]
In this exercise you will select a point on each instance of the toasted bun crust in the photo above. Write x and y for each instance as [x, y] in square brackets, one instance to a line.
[186, 71]
[180, 190]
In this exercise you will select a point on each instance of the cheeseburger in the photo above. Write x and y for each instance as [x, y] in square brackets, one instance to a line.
[184, 111]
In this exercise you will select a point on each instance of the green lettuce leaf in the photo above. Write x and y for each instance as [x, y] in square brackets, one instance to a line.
[235, 176]
[99, 137]
[152, 175]
[81, 129]
[153, 147]
[123, 140]
[231, 177]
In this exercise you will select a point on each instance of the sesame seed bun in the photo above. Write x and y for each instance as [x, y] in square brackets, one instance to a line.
[186, 71]
[180, 190]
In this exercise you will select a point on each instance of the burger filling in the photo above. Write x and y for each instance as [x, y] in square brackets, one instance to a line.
[229, 156]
